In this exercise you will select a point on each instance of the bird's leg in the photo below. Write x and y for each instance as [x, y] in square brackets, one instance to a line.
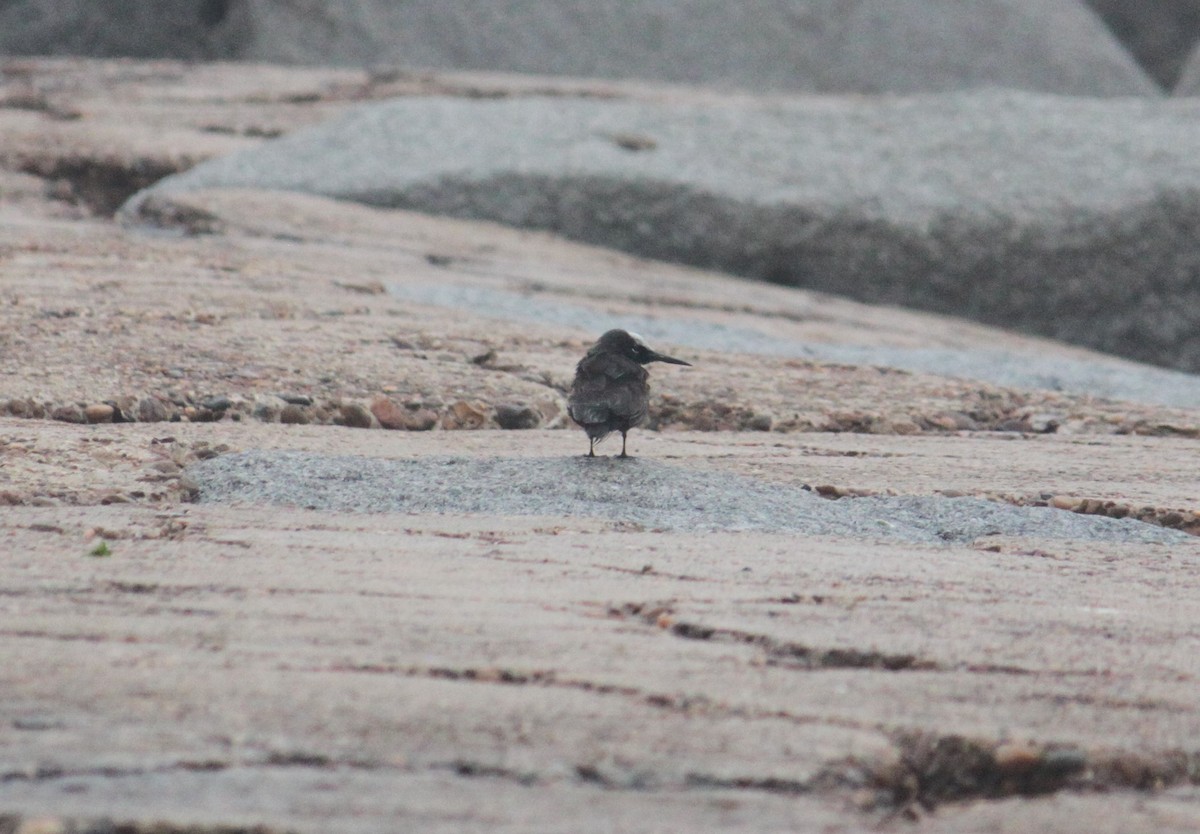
[623, 445]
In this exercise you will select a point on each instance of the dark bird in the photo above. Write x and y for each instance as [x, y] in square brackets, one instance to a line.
[611, 391]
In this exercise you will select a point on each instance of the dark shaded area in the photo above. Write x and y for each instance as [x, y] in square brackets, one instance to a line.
[214, 12]
[102, 186]
[1159, 33]
[934, 770]
[779, 652]
[197, 30]
[798, 655]
[13, 824]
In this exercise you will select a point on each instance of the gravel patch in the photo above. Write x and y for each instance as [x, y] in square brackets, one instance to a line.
[1069, 218]
[649, 493]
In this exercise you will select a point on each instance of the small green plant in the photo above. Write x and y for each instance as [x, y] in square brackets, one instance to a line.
[101, 549]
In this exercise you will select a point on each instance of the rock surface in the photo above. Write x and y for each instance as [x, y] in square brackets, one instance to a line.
[943, 636]
[645, 493]
[420, 667]
[817, 45]
[1069, 218]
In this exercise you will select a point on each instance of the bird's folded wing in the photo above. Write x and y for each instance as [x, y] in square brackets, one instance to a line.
[614, 368]
[598, 403]
[588, 414]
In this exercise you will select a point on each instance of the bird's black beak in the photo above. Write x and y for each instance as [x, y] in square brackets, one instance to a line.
[655, 356]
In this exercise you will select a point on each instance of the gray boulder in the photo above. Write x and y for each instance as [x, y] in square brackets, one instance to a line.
[816, 45]
[1073, 218]
[1159, 33]
[1189, 80]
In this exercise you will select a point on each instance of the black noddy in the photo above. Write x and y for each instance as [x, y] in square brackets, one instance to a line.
[611, 391]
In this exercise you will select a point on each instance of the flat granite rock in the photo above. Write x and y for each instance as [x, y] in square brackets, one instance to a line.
[1071, 218]
[944, 647]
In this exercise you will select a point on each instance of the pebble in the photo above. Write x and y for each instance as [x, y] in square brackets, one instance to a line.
[1015, 758]
[1064, 761]
[388, 413]
[509, 416]
[296, 399]
[267, 408]
[1043, 423]
[465, 415]
[125, 406]
[409, 417]
[355, 415]
[420, 420]
[24, 408]
[946, 422]
[68, 414]
[634, 142]
[903, 426]
[295, 415]
[41, 825]
[151, 410]
[954, 421]
[760, 422]
[1064, 502]
[217, 403]
[99, 413]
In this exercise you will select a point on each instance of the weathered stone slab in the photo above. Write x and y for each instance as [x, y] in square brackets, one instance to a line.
[1070, 218]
